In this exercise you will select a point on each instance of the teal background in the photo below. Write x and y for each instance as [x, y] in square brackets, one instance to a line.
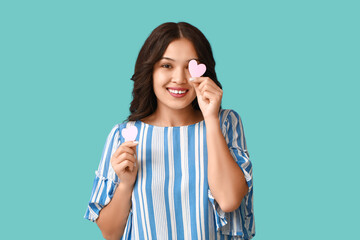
[289, 68]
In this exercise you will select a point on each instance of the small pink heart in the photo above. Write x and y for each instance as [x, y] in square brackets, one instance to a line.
[129, 133]
[195, 69]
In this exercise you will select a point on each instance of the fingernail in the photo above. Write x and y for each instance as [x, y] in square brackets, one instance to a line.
[191, 79]
[136, 142]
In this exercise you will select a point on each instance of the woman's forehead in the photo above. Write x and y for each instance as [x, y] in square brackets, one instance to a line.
[180, 48]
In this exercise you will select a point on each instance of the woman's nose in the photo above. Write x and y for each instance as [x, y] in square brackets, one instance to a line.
[180, 76]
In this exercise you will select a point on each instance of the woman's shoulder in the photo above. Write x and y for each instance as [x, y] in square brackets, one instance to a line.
[227, 111]
[226, 114]
[120, 126]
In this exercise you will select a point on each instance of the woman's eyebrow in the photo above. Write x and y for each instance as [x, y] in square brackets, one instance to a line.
[175, 60]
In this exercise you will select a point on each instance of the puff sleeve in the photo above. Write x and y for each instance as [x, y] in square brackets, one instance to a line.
[106, 180]
[240, 223]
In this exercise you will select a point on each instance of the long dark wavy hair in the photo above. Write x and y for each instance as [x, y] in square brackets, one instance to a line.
[144, 101]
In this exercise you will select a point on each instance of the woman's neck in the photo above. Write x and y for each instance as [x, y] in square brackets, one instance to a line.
[174, 118]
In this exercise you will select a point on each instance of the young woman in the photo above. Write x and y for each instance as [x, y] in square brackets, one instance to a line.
[188, 174]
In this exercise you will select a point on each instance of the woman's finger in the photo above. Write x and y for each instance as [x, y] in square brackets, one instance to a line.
[202, 84]
[123, 157]
[196, 87]
[208, 83]
[126, 164]
[208, 88]
[209, 96]
[134, 149]
[128, 146]
[197, 79]
[201, 80]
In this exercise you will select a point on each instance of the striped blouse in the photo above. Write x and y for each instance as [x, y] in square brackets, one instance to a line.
[171, 198]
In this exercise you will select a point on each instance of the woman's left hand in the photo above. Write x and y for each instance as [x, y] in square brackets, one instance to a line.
[209, 96]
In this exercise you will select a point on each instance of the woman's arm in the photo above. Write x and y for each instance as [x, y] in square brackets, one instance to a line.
[226, 180]
[113, 217]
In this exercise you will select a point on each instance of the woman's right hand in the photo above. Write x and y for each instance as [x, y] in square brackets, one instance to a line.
[124, 163]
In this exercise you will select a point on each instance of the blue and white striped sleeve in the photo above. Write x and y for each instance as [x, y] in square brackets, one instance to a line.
[240, 222]
[106, 180]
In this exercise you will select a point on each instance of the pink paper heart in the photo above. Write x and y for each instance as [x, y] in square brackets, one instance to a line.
[195, 69]
[129, 133]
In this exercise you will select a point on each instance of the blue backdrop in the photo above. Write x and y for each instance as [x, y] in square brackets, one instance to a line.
[289, 68]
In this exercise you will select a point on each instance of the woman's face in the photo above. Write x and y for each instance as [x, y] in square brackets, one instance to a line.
[171, 76]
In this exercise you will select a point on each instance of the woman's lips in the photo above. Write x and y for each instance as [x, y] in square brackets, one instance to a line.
[177, 93]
